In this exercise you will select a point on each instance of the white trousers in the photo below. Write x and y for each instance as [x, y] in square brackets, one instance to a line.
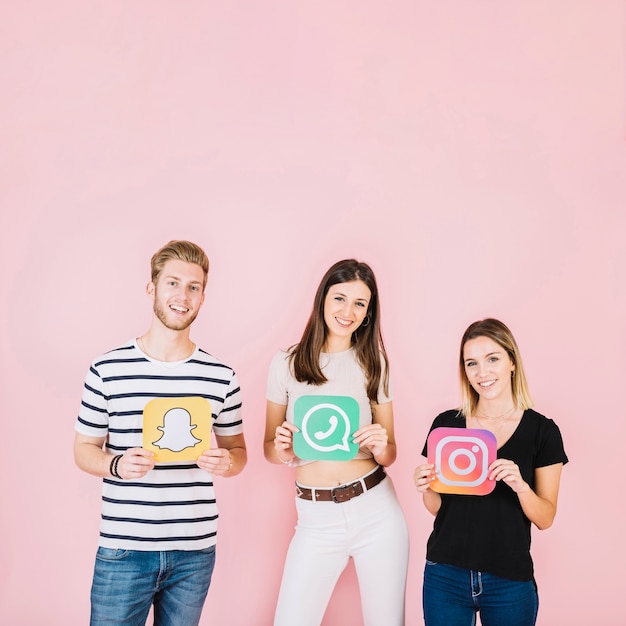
[372, 530]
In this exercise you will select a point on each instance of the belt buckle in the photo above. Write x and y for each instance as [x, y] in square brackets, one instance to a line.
[345, 493]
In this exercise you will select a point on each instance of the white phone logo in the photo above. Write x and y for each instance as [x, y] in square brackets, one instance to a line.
[332, 420]
[340, 441]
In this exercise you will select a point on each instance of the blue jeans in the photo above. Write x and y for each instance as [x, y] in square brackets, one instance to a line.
[452, 596]
[127, 582]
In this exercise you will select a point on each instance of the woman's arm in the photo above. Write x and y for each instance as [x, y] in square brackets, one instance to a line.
[539, 505]
[278, 444]
[379, 436]
[424, 474]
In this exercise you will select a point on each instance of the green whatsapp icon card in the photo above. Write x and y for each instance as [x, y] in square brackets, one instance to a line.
[326, 425]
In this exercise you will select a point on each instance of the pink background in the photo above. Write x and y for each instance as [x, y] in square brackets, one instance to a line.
[471, 151]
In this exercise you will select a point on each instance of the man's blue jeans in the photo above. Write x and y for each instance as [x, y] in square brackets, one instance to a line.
[452, 596]
[127, 582]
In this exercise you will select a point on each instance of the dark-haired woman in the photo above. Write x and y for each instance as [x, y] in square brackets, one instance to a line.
[346, 508]
[478, 555]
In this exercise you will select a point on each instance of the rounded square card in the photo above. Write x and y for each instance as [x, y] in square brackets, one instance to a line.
[177, 429]
[461, 457]
[326, 425]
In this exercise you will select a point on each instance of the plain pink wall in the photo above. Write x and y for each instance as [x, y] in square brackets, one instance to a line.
[471, 151]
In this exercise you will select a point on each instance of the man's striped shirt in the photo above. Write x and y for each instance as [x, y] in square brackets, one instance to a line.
[173, 507]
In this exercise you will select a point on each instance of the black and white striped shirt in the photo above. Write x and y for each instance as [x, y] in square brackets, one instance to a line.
[173, 507]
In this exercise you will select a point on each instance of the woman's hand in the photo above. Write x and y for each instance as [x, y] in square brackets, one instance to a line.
[507, 471]
[373, 437]
[424, 475]
[278, 442]
[539, 505]
[283, 441]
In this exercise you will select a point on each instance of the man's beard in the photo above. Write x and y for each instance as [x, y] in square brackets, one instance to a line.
[162, 316]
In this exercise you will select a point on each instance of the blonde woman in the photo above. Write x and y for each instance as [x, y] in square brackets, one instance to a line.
[478, 555]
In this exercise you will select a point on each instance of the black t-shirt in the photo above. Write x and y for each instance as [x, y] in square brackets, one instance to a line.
[490, 533]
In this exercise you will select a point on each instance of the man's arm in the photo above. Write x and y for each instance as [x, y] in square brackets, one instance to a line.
[93, 459]
[90, 457]
[228, 459]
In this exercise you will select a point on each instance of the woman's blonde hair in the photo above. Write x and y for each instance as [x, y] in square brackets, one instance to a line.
[498, 332]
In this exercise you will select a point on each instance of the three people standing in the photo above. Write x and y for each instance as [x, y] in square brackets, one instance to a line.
[159, 520]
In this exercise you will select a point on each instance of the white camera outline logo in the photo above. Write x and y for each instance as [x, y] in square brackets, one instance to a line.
[479, 445]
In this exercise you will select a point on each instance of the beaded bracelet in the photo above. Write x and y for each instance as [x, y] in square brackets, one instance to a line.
[113, 466]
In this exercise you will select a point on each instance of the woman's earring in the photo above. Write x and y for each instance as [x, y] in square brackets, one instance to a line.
[366, 321]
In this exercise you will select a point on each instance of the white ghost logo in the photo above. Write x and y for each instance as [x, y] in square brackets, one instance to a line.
[176, 429]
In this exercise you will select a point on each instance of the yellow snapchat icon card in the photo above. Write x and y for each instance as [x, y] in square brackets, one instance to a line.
[177, 429]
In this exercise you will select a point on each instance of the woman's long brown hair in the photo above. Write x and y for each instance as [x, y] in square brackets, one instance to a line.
[367, 340]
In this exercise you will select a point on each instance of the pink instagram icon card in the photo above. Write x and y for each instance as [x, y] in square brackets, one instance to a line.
[462, 457]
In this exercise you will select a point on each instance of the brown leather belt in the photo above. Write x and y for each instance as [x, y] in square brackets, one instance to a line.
[344, 492]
